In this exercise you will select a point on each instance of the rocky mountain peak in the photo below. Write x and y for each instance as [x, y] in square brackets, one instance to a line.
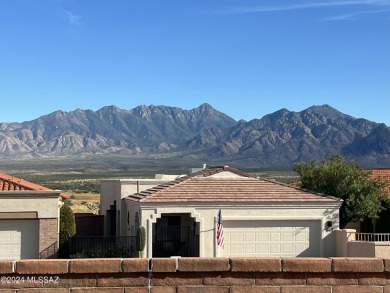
[203, 133]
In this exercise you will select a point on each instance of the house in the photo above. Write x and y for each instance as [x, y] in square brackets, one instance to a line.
[260, 217]
[382, 173]
[12, 183]
[29, 219]
[112, 201]
[368, 225]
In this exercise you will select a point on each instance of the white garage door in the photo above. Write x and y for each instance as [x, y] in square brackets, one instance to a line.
[271, 238]
[19, 239]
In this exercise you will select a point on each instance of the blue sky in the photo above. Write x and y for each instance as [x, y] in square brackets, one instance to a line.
[245, 58]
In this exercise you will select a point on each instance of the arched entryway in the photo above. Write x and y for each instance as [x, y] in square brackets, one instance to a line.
[175, 235]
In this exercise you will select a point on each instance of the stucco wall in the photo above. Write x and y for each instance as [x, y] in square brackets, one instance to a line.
[347, 246]
[200, 275]
[382, 249]
[46, 204]
[114, 191]
[361, 249]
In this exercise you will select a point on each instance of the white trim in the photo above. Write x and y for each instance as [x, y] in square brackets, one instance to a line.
[149, 237]
[271, 218]
[317, 220]
[249, 204]
[157, 215]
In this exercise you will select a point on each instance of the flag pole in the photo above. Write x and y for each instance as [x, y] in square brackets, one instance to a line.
[220, 238]
[216, 232]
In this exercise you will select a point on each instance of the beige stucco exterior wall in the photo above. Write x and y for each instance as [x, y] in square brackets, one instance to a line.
[343, 238]
[133, 210]
[347, 246]
[46, 204]
[382, 249]
[206, 214]
[115, 190]
[361, 249]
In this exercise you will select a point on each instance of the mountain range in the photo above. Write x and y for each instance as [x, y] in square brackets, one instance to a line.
[278, 139]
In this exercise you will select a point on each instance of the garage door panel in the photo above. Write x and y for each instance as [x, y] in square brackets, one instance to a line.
[275, 249]
[301, 236]
[274, 237]
[250, 248]
[237, 248]
[271, 238]
[4, 248]
[250, 237]
[237, 236]
[288, 236]
[263, 237]
[286, 248]
[16, 248]
[17, 237]
[4, 237]
[299, 248]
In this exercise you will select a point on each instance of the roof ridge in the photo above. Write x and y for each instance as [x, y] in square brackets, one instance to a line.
[299, 188]
[180, 180]
[163, 186]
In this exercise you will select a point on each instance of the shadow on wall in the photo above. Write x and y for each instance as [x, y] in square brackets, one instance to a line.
[29, 238]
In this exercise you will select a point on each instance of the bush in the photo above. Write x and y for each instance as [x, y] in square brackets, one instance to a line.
[67, 229]
[363, 196]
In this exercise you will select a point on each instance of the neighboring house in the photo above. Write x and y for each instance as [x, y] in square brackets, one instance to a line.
[112, 203]
[384, 174]
[260, 217]
[367, 226]
[29, 219]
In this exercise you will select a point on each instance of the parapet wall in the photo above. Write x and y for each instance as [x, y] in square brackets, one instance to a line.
[198, 275]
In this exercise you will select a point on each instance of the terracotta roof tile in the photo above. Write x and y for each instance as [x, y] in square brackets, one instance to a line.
[202, 187]
[383, 173]
[11, 183]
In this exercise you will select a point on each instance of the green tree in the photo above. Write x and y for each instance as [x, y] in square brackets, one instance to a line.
[363, 197]
[67, 229]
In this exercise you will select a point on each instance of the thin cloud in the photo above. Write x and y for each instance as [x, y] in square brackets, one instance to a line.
[72, 18]
[310, 5]
[354, 15]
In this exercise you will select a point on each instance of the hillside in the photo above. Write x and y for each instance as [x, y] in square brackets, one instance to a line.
[201, 134]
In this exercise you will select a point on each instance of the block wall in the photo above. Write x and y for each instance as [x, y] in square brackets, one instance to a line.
[197, 275]
[48, 237]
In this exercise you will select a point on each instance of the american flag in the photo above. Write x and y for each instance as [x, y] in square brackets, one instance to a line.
[220, 239]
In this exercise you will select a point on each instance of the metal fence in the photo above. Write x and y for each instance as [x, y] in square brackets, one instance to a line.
[372, 237]
[102, 246]
[50, 252]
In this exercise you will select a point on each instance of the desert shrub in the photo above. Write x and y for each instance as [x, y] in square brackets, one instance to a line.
[67, 229]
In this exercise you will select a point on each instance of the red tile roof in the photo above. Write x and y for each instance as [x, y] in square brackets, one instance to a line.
[10, 183]
[202, 187]
[383, 173]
